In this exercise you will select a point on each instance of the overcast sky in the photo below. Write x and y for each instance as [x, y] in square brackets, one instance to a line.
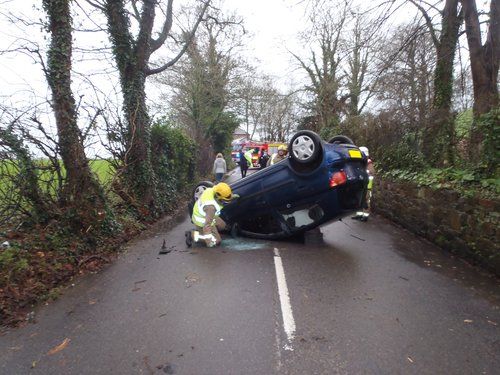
[272, 26]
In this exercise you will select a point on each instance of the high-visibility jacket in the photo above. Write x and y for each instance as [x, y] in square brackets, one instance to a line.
[370, 176]
[248, 157]
[206, 199]
[370, 182]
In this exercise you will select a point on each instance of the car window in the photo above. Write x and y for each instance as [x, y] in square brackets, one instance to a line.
[302, 216]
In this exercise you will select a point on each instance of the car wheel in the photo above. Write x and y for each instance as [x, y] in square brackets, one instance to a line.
[197, 192]
[341, 139]
[305, 147]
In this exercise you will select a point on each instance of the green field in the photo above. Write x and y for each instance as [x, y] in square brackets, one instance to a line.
[47, 178]
[103, 169]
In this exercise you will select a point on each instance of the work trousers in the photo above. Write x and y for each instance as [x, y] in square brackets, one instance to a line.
[214, 230]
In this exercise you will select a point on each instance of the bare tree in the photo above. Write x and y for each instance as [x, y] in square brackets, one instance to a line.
[202, 85]
[405, 86]
[275, 113]
[324, 71]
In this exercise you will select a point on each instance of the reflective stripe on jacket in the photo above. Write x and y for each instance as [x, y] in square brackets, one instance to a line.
[206, 199]
[370, 182]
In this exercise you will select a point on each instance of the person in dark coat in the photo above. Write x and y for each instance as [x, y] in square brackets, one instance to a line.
[243, 164]
[263, 159]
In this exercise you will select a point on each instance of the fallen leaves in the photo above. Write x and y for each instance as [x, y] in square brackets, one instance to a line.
[58, 348]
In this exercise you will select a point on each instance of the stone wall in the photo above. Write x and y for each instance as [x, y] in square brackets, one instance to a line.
[466, 226]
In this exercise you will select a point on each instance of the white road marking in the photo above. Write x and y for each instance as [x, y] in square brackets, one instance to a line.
[286, 307]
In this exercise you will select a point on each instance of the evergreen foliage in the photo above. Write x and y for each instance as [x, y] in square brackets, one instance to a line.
[173, 156]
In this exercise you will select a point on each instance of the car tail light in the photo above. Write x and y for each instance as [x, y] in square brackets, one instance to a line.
[338, 178]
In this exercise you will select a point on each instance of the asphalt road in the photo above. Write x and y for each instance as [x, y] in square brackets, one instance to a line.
[373, 299]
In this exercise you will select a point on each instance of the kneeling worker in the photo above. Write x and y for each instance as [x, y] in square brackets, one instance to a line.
[206, 217]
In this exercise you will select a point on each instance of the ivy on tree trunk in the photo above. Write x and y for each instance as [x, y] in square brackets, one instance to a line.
[132, 58]
[439, 134]
[82, 192]
[485, 62]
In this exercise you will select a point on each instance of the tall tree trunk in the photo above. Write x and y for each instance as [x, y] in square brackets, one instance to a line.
[82, 192]
[131, 58]
[439, 136]
[485, 60]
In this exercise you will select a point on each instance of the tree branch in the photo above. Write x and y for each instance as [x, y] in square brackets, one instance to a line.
[167, 26]
[149, 71]
[428, 21]
[96, 4]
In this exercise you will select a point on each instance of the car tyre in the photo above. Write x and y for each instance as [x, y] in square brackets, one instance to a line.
[197, 192]
[305, 147]
[341, 139]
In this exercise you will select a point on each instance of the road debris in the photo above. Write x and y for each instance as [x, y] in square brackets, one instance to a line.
[232, 244]
[493, 323]
[166, 249]
[169, 368]
[359, 238]
[467, 321]
[58, 348]
[136, 288]
[410, 359]
[191, 279]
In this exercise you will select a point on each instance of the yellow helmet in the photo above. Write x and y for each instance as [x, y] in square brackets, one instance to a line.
[282, 148]
[222, 192]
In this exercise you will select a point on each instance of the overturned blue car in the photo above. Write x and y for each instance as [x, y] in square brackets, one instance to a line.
[318, 182]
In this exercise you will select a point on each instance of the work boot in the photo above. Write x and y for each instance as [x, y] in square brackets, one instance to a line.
[189, 238]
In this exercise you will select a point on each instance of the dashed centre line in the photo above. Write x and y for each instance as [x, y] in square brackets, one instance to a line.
[286, 307]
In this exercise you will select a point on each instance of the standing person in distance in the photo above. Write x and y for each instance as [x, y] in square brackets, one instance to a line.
[263, 159]
[243, 164]
[220, 168]
[248, 155]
